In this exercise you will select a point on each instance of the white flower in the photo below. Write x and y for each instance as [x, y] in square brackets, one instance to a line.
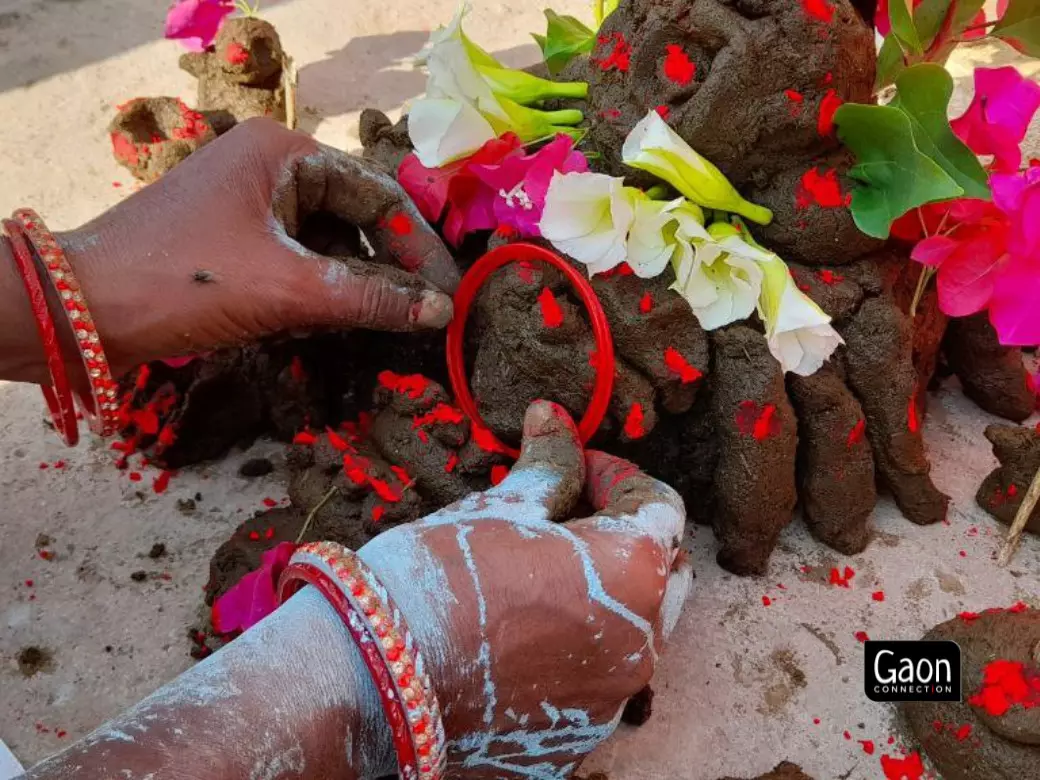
[799, 332]
[442, 35]
[587, 216]
[720, 279]
[651, 240]
[443, 130]
[654, 147]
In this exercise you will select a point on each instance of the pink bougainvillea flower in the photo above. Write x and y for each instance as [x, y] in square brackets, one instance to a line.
[253, 597]
[471, 201]
[999, 115]
[1014, 309]
[520, 183]
[195, 22]
[881, 19]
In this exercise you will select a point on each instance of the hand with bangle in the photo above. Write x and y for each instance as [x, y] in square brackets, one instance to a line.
[533, 632]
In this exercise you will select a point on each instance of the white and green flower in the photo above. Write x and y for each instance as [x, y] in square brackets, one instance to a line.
[654, 147]
[588, 216]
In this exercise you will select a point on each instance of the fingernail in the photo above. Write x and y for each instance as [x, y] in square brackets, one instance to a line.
[434, 310]
[544, 418]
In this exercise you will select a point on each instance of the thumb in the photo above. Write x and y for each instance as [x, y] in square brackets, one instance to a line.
[350, 293]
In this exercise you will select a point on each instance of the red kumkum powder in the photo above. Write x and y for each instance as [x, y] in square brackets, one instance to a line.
[498, 473]
[1006, 684]
[908, 768]
[400, 225]
[677, 364]
[236, 53]
[646, 303]
[677, 66]
[911, 416]
[413, 385]
[820, 10]
[842, 580]
[634, 422]
[828, 106]
[664, 112]
[868, 746]
[857, 433]
[552, 314]
[619, 55]
[823, 190]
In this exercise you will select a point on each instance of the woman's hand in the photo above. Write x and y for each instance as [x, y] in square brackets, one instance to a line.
[536, 632]
[207, 256]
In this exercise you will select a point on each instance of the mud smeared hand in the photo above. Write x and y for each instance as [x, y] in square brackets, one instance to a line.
[208, 256]
[537, 631]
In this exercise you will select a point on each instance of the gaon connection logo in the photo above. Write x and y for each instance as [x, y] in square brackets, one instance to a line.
[912, 671]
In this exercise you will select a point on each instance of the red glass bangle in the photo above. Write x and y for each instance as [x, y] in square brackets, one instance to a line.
[101, 406]
[58, 395]
[467, 293]
[387, 647]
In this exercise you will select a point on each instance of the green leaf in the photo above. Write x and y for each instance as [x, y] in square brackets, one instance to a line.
[923, 95]
[929, 17]
[903, 25]
[889, 64]
[565, 39]
[892, 173]
[601, 9]
[945, 18]
[1020, 26]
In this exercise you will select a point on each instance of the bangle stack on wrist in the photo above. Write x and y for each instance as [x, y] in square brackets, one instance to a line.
[386, 645]
[35, 249]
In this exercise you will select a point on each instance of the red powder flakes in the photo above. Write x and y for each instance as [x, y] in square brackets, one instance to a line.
[59, 464]
[664, 112]
[453, 461]
[610, 113]
[796, 99]
[968, 617]
[619, 56]
[385, 491]
[46, 555]
[400, 225]
[60, 733]
[861, 636]
[305, 438]
[878, 595]
[1012, 490]
[868, 746]
[828, 106]
[766, 601]
[44, 466]
[143, 373]
[678, 68]
[236, 53]
[269, 533]
[270, 503]
[828, 277]
[912, 421]
[816, 721]
[623, 269]
[167, 436]
[413, 385]
[146, 420]
[820, 10]
[377, 512]
[842, 580]
[908, 768]
[820, 189]
[254, 536]
[126, 150]
[846, 734]
[337, 441]
[963, 732]
[441, 413]
[677, 364]
[498, 473]
[760, 422]
[634, 422]
[857, 432]
[28, 583]
[646, 303]
[162, 482]
[963, 554]
[525, 268]
[508, 231]
[402, 475]
[552, 314]
[1018, 606]
[135, 476]
[1006, 684]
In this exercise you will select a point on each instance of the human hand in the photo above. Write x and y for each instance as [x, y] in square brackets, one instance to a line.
[537, 632]
[207, 256]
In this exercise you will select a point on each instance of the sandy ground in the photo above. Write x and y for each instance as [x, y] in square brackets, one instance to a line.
[742, 683]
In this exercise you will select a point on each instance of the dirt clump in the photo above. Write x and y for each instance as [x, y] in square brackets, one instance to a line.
[979, 738]
[1003, 490]
[242, 76]
[785, 770]
[151, 135]
[33, 660]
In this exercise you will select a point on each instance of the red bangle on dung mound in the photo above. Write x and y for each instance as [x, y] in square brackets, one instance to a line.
[387, 647]
[101, 406]
[58, 395]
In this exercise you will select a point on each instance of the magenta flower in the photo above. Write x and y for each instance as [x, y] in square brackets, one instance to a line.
[1015, 305]
[195, 22]
[253, 597]
[517, 186]
[999, 115]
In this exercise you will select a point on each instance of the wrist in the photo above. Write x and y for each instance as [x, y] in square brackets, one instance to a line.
[22, 357]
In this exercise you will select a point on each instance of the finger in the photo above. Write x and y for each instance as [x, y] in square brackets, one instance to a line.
[627, 499]
[550, 472]
[680, 584]
[351, 293]
[361, 193]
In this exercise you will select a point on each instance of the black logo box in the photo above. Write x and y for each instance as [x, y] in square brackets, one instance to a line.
[912, 671]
